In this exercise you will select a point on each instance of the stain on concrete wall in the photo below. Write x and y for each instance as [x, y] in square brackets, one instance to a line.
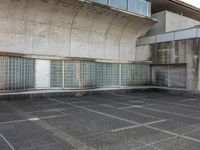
[180, 52]
[169, 75]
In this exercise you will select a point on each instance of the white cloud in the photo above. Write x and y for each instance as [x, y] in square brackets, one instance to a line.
[195, 3]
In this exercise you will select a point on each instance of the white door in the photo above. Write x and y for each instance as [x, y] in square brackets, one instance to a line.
[42, 74]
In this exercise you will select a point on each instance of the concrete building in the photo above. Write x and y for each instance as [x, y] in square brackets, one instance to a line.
[172, 45]
[70, 44]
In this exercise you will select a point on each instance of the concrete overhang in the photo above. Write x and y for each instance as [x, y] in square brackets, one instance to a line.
[176, 6]
[70, 29]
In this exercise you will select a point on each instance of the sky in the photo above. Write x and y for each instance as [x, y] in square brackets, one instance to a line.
[193, 2]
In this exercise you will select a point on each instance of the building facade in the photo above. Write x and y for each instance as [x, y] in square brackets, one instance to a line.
[72, 43]
[172, 45]
[78, 44]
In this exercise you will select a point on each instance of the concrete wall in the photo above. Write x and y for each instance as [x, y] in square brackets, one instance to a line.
[69, 28]
[159, 27]
[180, 52]
[169, 21]
[143, 53]
[176, 22]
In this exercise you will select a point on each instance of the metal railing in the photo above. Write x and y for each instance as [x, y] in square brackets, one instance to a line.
[189, 33]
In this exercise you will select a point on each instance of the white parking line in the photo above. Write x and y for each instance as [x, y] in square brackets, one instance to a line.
[193, 99]
[7, 141]
[137, 106]
[175, 134]
[168, 112]
[139, 125]
[57, 100]
[34, 119]
[101, 113]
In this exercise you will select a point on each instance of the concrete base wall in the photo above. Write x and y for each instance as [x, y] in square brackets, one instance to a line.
[69, 28]
[180, 52]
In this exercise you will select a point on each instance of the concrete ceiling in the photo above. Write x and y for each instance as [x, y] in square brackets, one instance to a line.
[176, 6]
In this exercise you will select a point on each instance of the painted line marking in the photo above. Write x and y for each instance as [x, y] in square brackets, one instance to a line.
[7, 141]
[139, 125]
[193, 99]
[34, 119]
[122, 103]
[106, 105]
[78, 102]
[168, 102]
[136, 106]
[173, 113]
[151, 144]
[104, 114]
[175, 134]
[129, 121]
[57, 100]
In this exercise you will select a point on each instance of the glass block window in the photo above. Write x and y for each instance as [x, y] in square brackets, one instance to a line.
[135, 74]
[87, 73]
[72, 74]
[56, 71]
[107, 74]
[17, 73]
[99, 74]
[2, 73]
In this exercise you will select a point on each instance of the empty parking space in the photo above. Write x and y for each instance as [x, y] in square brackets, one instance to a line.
[136, 121]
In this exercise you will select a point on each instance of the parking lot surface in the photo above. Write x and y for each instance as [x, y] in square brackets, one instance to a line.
[134, 121]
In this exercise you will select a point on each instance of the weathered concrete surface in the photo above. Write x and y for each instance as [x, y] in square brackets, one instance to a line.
[136, 120]
[143, 53]
[69, 28]
[180, 52]
[169, 22]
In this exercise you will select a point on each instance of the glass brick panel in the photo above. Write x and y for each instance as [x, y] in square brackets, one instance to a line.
[134, 74]
[17, 73]
[56, 70]
[107, 75]
[72, 74]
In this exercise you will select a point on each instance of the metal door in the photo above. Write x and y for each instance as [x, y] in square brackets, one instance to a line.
[42, 74]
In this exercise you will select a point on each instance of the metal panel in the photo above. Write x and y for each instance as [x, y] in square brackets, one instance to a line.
[42, 74]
